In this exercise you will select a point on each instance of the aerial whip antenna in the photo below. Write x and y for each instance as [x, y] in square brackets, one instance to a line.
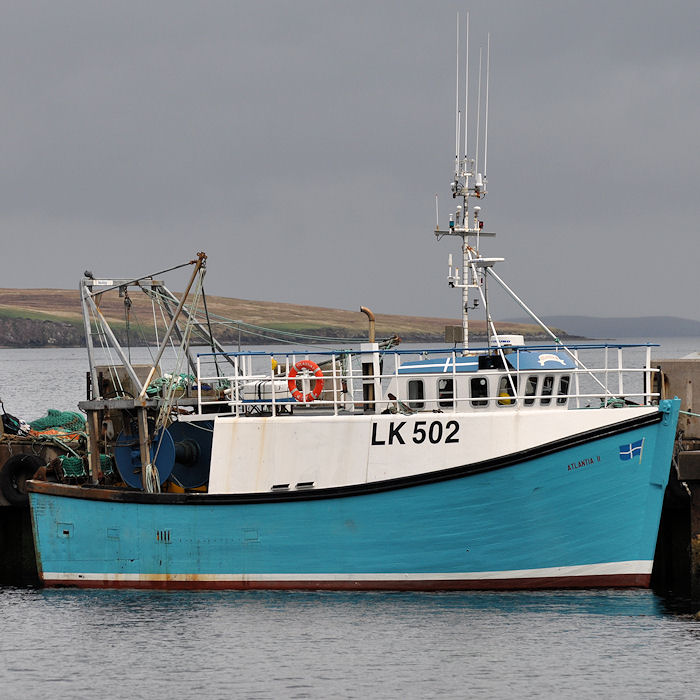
[486, 123]
[466, 222]
[457, 123]
[466, 101]
[478, 115]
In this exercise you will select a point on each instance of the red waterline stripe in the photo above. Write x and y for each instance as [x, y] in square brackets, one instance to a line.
[567, 582]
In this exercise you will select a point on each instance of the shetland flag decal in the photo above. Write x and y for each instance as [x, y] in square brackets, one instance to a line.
[631, 450]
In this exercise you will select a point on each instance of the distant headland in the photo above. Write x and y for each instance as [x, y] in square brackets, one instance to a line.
[52, 318]
[625, 327]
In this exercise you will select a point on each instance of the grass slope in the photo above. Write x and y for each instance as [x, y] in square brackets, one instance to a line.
[60, 305]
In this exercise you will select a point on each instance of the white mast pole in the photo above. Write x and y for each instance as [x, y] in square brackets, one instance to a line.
[466, 275]
[466, 272]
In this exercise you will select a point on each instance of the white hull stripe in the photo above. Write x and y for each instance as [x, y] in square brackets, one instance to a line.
[607, 569]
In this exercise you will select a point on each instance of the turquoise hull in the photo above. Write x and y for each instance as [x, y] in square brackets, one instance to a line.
[580, 512]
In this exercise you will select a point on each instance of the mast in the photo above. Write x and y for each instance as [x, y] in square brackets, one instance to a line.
[468, 184]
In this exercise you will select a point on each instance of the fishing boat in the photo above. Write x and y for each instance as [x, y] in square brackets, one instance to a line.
[490, 465]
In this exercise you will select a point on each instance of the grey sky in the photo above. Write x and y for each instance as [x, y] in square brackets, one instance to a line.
[301, 144]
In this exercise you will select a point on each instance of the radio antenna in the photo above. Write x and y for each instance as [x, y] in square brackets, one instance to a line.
[457, 124]
[466, 222]
[486, 124]
[478, 115]
[466, 103]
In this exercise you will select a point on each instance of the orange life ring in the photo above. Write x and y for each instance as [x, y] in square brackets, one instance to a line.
[292, 384]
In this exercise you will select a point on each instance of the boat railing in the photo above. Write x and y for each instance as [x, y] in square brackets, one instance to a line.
[370, 381]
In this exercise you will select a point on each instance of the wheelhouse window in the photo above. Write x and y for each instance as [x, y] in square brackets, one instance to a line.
[547, 389]
[506, 391]
[530, 390]
[416, 393]
[563, 392]
[480, 391]
[446, 392]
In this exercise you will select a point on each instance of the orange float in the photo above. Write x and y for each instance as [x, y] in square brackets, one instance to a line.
[311, 366]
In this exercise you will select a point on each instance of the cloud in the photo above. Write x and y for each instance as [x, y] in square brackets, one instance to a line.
[267, 133]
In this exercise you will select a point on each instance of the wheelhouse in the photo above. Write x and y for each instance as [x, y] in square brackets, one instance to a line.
[517, 377]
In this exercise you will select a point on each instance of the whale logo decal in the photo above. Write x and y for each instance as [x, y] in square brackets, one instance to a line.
[550, 357]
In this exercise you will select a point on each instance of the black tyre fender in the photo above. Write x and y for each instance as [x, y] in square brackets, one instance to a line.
[14, 473]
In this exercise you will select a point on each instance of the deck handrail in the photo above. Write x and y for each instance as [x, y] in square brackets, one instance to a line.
[345, 385]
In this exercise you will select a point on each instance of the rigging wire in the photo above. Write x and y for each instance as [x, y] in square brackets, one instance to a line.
[140, 330]
[211, 335]
[273, 334]
[174, 385]
[163, 310]
[107, 353]
[251, 329]
[127, 320]
[159, 298]
[155, 318]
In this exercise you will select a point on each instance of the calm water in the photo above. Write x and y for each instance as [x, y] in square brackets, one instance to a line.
[133, 644]
[128, 644]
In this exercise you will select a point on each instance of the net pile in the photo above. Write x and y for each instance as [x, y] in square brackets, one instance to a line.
[68, 421]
